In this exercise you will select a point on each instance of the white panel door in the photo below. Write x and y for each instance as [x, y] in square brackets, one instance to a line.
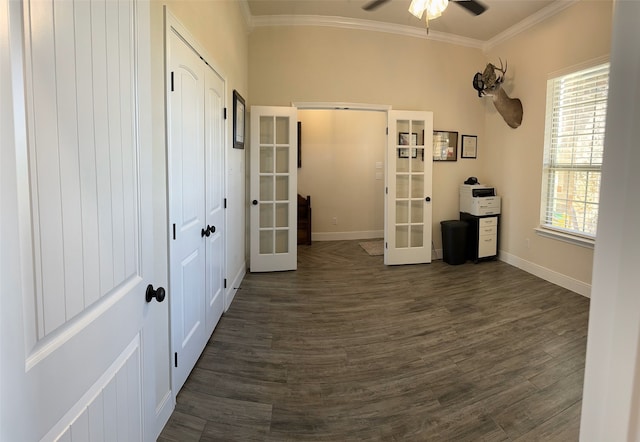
[77, 333]
[214, 195]
[407, 227]
[195, 115]
[186, 157]
[274, 204]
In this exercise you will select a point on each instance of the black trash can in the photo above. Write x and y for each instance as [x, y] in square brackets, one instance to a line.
[454, 241]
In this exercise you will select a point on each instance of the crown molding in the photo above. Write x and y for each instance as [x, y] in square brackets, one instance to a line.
[527, 23]
[246, 13]
[362, 25]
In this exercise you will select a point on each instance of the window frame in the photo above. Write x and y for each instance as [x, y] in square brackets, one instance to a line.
[546, 229]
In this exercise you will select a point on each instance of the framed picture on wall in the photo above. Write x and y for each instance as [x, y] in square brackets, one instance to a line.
[403, 152]
[403, 139]
[469, 146]
[238, 120]
[445, 145]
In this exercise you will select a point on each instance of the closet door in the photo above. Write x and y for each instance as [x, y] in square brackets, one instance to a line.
[186, 174]
[274, 159]
[195, 117]
[408, 210]
[214, 196]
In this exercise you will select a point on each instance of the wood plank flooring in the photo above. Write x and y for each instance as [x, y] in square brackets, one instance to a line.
[346, 349]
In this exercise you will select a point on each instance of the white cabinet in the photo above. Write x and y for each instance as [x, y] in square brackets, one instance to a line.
[482, 236]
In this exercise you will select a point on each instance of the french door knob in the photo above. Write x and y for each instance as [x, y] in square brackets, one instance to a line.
[212, 229]
[254, 202]
[158, 293]
[427, 199]
[205, 232]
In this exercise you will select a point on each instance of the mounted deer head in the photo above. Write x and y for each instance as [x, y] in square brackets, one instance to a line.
[489, 84]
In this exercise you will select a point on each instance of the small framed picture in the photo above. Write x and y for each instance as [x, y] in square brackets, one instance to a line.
[403, 139]
[469, 146]
[238, 120]
[445, 145]
[403, 152]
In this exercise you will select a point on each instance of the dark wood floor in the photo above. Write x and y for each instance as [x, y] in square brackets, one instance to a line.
[346, 349]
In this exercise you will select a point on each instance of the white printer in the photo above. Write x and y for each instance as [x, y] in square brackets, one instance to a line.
[479, 200]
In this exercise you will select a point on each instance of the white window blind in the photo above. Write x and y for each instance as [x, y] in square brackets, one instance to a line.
[574, 137]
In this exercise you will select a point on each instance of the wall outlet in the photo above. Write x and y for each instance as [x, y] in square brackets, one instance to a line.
[334, 221]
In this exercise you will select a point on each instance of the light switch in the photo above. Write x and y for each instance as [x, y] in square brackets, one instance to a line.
[379, 175]
[378, 164]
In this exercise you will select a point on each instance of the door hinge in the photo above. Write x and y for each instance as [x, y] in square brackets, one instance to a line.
[386, 190]
[386, 245]
[225, 203]
[225, 113]
[171, 81]
[387, 131]
[175, 359]
[174, 230]
[225, 283]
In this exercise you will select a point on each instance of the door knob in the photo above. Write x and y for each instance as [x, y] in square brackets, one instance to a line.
[158, 293]
[212, 229]
[205, 232]
[427, 199]
[254, 202]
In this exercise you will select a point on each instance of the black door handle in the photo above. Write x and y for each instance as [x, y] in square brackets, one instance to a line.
[158, 293]
[254, 202]
[208, 231]
[427, 199]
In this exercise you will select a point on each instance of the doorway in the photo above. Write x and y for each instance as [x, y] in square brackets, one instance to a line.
[342, 169]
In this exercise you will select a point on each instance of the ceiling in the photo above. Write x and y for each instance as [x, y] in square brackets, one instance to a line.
[500, 16]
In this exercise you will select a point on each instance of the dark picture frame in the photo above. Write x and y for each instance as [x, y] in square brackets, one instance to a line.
[403, 139]
[239, 113]
[403, 152]
[445, 145]
[469, 146]
[299, 144]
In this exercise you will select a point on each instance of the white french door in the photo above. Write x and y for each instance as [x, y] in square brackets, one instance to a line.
[273, 194]
[195, 118]
[78, 336]
[408, 211]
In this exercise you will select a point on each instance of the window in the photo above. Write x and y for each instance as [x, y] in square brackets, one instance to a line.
[574, 136]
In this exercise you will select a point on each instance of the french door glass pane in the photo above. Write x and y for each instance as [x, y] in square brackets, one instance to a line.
[266, 242]
[402, 236]
[282, 130]
[282, 159]
[266, 188]
[266, 159]
[282, 241]
[402, 212]
[266, 130]
[266, 215]
[282, 215]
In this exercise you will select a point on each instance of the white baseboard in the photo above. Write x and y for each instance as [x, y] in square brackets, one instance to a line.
[564, 281]
[341, 236]
[233, 287]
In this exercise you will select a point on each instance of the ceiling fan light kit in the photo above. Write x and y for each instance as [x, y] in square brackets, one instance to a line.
[433, 8]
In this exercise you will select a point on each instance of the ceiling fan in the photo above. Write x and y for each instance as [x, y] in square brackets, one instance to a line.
[473, 6]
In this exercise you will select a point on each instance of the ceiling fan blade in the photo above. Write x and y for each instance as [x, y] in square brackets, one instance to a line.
[473, 6]
[375, 4]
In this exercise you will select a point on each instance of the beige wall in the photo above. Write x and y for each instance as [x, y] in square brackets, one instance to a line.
[340, 149]
[317, 64]
[514, 157]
